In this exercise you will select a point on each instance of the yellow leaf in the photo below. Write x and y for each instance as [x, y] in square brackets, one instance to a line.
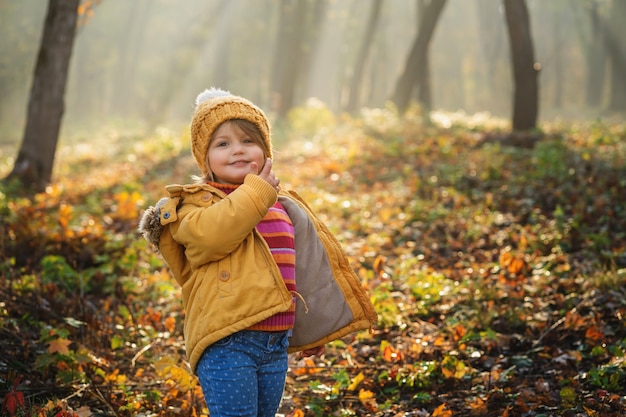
[182, 378]
[59, 345]
[65, 215]
[167, 367]
[368, 399]
[163, 365]
[127, 204]
[461, 369]
[451, 367]
[356, 381]
[365, 395]
[115, 377]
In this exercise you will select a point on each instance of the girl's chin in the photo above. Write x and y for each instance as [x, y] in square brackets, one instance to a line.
[232, 180]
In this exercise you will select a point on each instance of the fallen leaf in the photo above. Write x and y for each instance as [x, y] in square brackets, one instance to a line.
[593, 333]
[356, 381]
[441, 411]
[60, 345]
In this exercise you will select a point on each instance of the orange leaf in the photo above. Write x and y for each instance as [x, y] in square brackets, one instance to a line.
[441, 411]
[390, 354]
[516, 266]
[379, 264]
[308, 368]
[522, 405]
[439, 341]
[505, 259]
[594, 333]
[60, 346]
[65, 215]
[459, 331]
[170, 324]
[478, 406]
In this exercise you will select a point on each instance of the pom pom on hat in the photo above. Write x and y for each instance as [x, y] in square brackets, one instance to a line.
[211, 93]
[215, 106]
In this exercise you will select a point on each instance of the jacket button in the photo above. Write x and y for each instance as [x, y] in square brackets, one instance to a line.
[224, 275]
[166, 215]
[206, 197]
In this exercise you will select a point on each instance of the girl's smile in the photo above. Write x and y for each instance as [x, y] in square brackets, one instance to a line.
[233, 154]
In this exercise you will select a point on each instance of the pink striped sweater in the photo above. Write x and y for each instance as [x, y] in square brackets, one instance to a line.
[277, 230]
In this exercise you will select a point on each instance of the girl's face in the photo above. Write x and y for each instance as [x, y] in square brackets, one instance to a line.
[231, 153]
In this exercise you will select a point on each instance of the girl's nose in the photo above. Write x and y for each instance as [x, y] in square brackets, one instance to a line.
[237, 147]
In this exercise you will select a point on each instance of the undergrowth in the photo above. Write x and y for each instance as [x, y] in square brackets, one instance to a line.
[498, 273]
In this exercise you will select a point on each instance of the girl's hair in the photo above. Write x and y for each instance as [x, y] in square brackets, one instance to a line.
[249, 128]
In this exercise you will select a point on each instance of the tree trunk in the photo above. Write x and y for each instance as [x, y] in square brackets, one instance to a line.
[595, 53]
[557, 101]
[617, 55]
[525, 73]
[314, 22]
[415, 64]
[293, 18]
[129, 55]
[491, 38]
[280, 52]
[361, 59]
[424, 91]
[221, 66]
[35, 159]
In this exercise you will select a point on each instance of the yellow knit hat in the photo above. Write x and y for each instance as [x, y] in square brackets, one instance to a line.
[215, 106]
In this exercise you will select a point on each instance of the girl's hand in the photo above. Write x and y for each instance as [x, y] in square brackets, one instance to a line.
[266, 173]
[316, 351]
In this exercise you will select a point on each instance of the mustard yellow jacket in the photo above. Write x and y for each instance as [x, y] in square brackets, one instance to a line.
[228, 277]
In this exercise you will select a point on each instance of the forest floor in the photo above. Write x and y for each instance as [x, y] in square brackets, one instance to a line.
[497, 266]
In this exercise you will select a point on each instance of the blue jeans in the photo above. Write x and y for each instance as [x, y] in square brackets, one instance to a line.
[244, 374]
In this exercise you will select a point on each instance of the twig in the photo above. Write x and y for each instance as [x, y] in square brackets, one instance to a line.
[557, 323]
[99, 395]
[82, 388]
[138, 354]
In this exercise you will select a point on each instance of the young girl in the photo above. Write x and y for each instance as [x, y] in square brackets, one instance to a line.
[261, 276]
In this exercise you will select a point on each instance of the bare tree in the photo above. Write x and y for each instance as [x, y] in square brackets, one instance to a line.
[34, 163]
[361, 59]
[595, 52]
[492, 41]
[416, 62]
[288, 55]
[525, 70]
[614, 38]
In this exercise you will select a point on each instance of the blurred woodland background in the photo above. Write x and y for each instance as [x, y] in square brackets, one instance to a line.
[145, 60]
